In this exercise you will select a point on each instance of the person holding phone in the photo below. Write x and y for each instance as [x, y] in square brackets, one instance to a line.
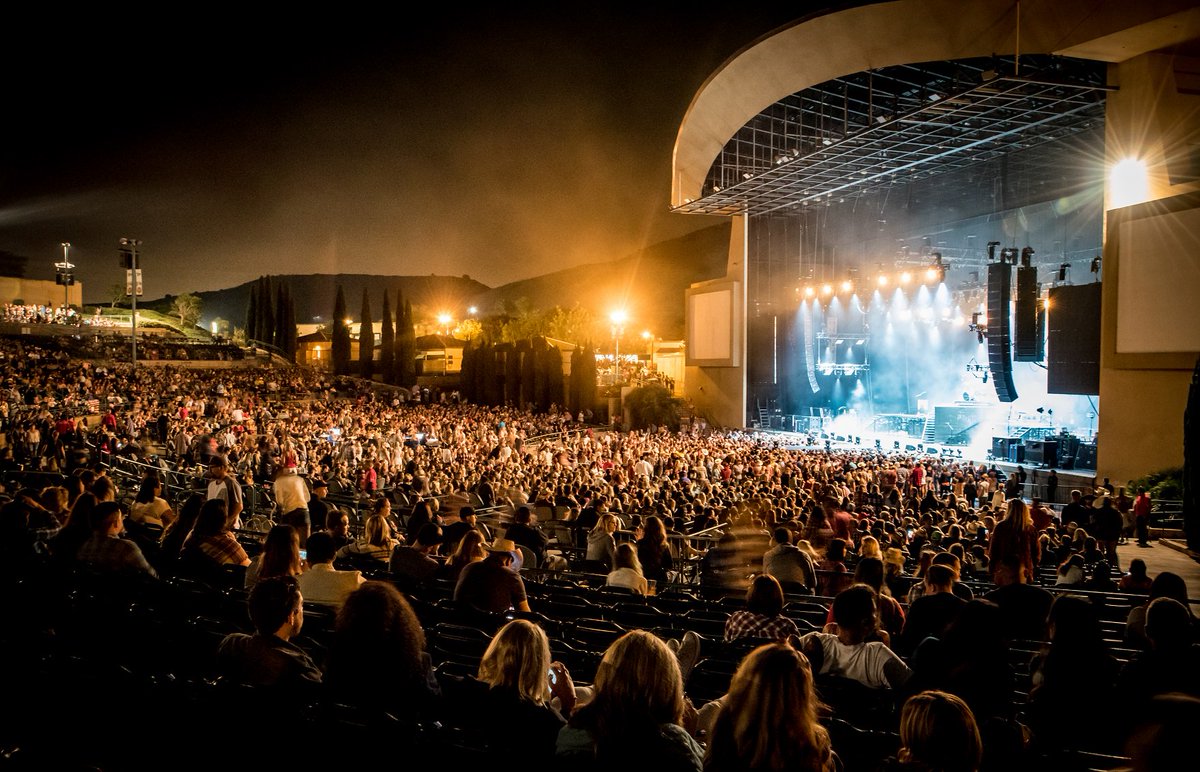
[519, 700]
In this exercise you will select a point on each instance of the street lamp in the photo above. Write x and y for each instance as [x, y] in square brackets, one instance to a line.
[618, 318]
[131, 261]
[444, 320]
[64, 276]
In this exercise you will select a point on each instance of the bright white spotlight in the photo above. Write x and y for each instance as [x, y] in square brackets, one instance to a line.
[847, 286]
[1128, 183]
[827, 289]
[905, 277]
[883, 280]
[809, 292]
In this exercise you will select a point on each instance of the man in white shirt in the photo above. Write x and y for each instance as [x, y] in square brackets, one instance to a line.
[291, 500]
[847, 652]
[321, 582]
[222, 485]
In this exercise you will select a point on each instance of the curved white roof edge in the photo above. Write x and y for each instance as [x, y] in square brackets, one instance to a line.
[844, 42]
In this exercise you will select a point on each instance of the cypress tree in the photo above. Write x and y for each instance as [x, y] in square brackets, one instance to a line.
[555, 387]
[406, 350]
[340, 344]
[280, 331]
[366, 340]
[266, 328]
[252, 311]
[387, 344]
[287, 325]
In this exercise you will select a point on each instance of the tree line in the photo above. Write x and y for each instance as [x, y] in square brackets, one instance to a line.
[528, 373]
[397, 341]
[271, 316]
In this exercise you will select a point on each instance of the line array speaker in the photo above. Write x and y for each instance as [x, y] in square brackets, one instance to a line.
[999, 356]
[1026, 322]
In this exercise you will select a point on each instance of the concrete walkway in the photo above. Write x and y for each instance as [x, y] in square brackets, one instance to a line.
[1168, 554]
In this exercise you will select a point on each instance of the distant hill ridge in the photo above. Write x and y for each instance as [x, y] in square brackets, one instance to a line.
[649, 283]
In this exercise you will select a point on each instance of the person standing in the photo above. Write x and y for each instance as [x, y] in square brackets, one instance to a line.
[1107, 527]
[224, 486]
[291, 501]
[1141, 517]
[1015, 535]
[318, 507]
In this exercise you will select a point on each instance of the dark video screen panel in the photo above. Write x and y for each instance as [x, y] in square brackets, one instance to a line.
[1073, 340]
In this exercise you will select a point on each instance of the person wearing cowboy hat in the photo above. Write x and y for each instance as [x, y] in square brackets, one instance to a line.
[493, 584]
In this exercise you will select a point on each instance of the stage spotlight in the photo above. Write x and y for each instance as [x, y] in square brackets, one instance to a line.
[847, 285]
[931, 274]
[883, 280]
[809, 292]
[827, 289]
[1062, 271]
[905, 277]
[859, 342]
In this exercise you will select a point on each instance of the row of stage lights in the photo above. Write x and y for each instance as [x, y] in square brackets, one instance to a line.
[934, 275]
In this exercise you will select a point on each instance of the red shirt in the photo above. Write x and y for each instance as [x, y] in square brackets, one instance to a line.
[1141, 505]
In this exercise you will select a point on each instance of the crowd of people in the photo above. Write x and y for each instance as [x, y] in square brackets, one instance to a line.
[929, 577]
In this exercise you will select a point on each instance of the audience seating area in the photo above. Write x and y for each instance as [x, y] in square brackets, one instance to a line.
[78, 641]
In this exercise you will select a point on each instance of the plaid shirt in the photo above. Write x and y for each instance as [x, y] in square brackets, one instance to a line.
[222, 548]
[747, 624]
[115, 555]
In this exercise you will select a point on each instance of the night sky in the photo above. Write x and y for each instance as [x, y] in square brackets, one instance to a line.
[470, 142]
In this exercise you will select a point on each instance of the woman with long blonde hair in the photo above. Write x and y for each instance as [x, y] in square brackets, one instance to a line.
[635, 717]
[768, 720]
[374, 549]
[518, 699]
[1015, 535]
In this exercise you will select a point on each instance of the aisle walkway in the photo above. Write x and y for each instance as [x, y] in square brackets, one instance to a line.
[1160, 556]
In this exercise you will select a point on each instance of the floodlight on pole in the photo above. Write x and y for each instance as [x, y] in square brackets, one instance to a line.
[618, 318]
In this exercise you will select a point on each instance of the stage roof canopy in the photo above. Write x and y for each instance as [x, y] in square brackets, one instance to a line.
[855, 134]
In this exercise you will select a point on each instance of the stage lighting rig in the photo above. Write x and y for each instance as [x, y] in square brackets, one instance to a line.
[980, 330]
[1008, 255]
[991, 248]
[937, 269]
[1027, 257]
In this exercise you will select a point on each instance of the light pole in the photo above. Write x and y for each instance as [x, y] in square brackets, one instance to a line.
[64, 276]
[133, 283]
[618, 318]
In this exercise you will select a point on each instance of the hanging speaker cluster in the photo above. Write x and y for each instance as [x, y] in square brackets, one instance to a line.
[999, 345]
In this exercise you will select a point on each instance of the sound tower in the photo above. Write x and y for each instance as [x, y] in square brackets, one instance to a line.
[999, 360]
[1026, 348]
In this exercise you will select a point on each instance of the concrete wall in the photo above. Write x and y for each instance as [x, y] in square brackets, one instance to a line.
[1155, 117]
[719, 393]
[39, 292]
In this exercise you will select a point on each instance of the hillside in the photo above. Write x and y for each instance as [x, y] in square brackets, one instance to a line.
[315, 295]
[650, 284]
